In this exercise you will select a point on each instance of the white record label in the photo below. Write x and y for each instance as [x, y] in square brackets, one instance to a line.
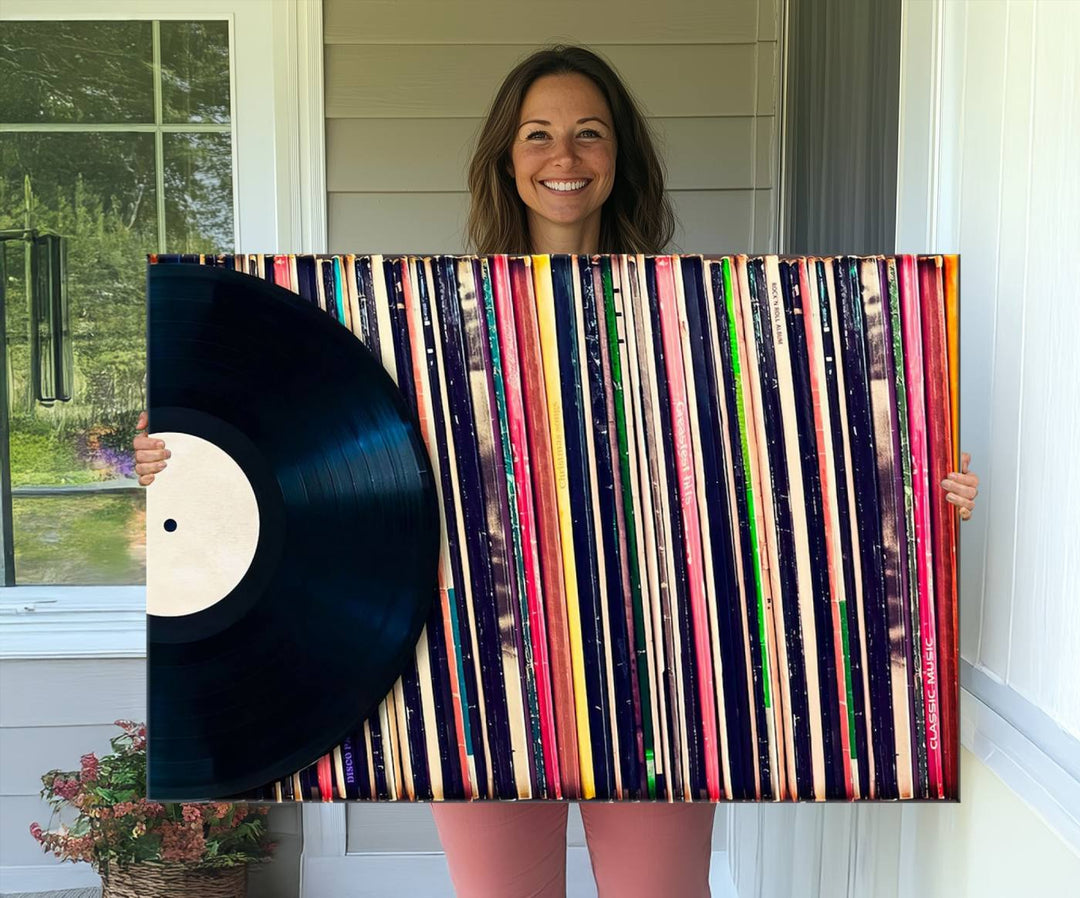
[202, 527]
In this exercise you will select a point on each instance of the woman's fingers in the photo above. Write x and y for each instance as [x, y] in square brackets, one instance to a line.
[150, 467]
[960, 502]
[149, 455]
[961, 485]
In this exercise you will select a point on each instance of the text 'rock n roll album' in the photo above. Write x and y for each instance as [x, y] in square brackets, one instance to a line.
[613, 527]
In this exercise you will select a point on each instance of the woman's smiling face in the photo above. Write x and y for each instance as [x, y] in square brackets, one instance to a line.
[563, 160]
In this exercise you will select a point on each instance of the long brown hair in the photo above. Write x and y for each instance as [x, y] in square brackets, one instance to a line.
[637, 216]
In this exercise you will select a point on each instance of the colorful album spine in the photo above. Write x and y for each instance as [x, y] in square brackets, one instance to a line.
[689, 452]
[906, 520]
[816, 354]
[413, 725]
[282, 275]
[489, 417]
[553, 587]
[952, 329]
[494, 770]
[921, 491]
[545, 313]
[722, 330]
[597, 273]
[883, 411]
[644, 484]
[580, 348]
[951, 288]
[521, 469]
[519, 632]
[433, 671]
[752, 336]
[455, 651]
[668, 671]
[793, 287]
[943, 523]
[615, 285]
[800, 527]
[833, 333]
[395, 743]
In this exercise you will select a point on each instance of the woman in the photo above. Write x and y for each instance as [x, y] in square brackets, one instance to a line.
[565, 164]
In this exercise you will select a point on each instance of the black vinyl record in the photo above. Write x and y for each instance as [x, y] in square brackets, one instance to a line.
[327, 614]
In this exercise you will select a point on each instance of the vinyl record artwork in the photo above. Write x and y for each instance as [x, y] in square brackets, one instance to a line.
[620, 528]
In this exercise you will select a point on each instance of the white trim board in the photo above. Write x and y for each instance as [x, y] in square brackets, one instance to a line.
[1043, 773]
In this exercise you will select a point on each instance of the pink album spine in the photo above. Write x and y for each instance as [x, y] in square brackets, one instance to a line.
[920, 481]
[283, 272]
[671, 341]
[515, 408]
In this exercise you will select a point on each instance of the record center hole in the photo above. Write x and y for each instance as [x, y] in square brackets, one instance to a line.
[170, 525]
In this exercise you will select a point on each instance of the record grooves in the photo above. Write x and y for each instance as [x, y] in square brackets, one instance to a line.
[279, 671]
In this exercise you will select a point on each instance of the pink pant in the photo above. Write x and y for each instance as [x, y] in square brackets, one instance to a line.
[517, 849]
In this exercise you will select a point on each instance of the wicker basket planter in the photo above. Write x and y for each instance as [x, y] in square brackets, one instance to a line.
[149, 880]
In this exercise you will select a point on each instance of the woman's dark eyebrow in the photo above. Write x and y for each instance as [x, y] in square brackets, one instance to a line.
[580, 121]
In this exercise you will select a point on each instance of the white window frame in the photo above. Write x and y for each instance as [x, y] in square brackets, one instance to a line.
[279, 197]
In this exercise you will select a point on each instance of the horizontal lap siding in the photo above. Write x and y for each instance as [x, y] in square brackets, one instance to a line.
[408, 83]
[51, 713]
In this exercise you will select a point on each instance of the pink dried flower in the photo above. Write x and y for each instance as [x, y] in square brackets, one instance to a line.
[192, 813]
[152, 809]
[36, 832]
[65, 788]
[181, 842]
[89, 768]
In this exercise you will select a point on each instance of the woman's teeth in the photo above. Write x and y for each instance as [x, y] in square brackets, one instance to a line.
[564, 186]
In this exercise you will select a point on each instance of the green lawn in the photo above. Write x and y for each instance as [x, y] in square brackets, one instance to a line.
[84, 540]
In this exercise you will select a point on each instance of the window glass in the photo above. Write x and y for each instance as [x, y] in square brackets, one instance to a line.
[117, 182]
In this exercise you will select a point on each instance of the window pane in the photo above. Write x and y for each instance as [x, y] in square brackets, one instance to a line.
[195, 71]
[81, 540]
[76, 72]
[98, 191]
[198, 193]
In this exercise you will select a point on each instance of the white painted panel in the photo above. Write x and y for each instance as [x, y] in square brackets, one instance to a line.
[28, 752]
[568, 21]
[65, 693]
[391, 826]
[1045, 621]
[767, 84]
[766, 151]
[397, 222]
[707, 153]
[769, 12]
[985, 637]
[766, 239]
[713, 221]
[432, 154]
[408, 81]
[980, 241]
[709, 221]
[17, 846]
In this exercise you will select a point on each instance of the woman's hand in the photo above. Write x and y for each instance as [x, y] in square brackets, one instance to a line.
[150, 454]
[961, 487]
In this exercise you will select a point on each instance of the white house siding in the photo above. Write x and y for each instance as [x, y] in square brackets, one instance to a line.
[409, 81]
